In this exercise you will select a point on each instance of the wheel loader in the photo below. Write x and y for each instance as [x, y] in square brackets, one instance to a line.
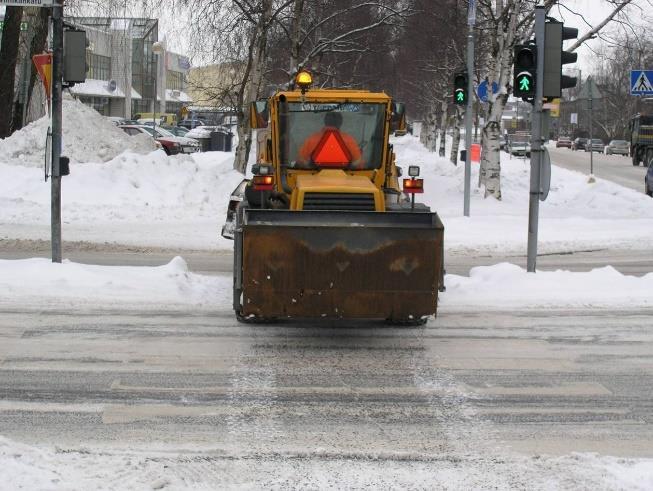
[323, 229]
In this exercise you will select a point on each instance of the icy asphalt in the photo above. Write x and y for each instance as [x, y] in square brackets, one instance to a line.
[140, 400]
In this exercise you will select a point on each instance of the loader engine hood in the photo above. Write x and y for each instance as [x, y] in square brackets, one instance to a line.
[334, 189]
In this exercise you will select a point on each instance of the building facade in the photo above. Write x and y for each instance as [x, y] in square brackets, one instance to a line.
[126, 76]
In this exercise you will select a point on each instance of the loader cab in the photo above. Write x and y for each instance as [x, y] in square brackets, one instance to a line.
[318, 135]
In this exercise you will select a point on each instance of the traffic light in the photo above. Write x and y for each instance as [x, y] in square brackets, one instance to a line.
[525, 71]
[554, 57]
[460, 89]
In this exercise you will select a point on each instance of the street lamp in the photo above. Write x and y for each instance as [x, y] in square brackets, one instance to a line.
[158, 48]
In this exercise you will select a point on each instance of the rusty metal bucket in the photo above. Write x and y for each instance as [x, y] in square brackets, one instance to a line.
[344, 264]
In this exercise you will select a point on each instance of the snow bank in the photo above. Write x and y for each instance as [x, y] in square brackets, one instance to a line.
[502, 286]
[39, 282]
[508, 286]
[575, 216]
[151, 200]
[87, 137]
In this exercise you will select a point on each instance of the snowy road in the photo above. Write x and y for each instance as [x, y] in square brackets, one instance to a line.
[134, 399]
[616, 168]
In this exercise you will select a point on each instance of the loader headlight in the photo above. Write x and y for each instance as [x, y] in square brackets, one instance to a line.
[413, 170]
[262, 169]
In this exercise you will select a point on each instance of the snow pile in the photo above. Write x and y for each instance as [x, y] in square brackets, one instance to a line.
[152, 199]
[575, 216]
[506, 285]
[28, 281]
[87, 137]
[39, 282]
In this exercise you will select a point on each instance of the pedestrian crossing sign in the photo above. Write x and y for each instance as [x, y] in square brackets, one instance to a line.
[641, 82]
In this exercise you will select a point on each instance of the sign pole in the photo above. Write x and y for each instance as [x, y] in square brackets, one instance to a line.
[471, 21]
[57, 120]
[536, 143]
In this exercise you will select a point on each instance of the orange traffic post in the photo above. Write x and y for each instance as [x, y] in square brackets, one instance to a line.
[476, 152]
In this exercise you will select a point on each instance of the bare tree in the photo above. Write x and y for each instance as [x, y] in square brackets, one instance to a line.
[8, 60]
[505, 23]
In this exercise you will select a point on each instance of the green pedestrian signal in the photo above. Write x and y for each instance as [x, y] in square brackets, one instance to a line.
[460, 89]
[525, 71]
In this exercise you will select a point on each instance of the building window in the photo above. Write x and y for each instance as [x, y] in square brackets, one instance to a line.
[99, 67]
[100, 104]
[174, 80]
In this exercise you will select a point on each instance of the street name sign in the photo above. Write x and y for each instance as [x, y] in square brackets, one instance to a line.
[26, 3]
[641, 82]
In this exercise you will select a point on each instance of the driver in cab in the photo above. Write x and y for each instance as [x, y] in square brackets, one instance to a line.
[313, 148]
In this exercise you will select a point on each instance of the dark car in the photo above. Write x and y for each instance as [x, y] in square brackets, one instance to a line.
[648, 180]
[579, 144]
[189, 124]
[564, 142]
[595, 145]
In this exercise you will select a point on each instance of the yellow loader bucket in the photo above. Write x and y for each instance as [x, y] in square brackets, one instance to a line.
[343, 264]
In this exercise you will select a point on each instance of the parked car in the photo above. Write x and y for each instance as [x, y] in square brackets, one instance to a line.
[564, 142]
[172, 144]
[648, 180]
[177, 130]
[520, 148]
[117, 120]
[503, 143]
[191, 123]
[579, 144]
[596, 145]
[620, 147]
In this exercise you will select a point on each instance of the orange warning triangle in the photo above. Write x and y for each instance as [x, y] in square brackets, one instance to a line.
[331, 150]
[43, 63]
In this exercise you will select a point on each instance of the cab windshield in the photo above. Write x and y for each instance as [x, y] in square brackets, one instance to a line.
[306, 127]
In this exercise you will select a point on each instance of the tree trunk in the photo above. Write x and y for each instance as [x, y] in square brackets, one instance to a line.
[491, 134]
[443, 127]
[251, 88]
[295, 41]
[38, 46]
[8, 59]
[456, 136]
[431, 130]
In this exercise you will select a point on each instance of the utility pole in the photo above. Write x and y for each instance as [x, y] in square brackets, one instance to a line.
[57, 122]
[590, 83]
[536, 142]
[471, 21]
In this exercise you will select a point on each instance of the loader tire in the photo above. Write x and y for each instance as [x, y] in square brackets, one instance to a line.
[252, 319]
[407, 322]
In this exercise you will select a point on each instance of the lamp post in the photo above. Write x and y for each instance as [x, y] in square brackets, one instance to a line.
[158, 48]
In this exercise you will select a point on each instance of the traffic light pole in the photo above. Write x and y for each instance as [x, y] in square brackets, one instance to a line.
[468, 109]
[57, 120]
[536, 142]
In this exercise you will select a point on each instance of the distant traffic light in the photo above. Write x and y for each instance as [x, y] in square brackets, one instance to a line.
[554, 57]
[460, 89]
[525, 71]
